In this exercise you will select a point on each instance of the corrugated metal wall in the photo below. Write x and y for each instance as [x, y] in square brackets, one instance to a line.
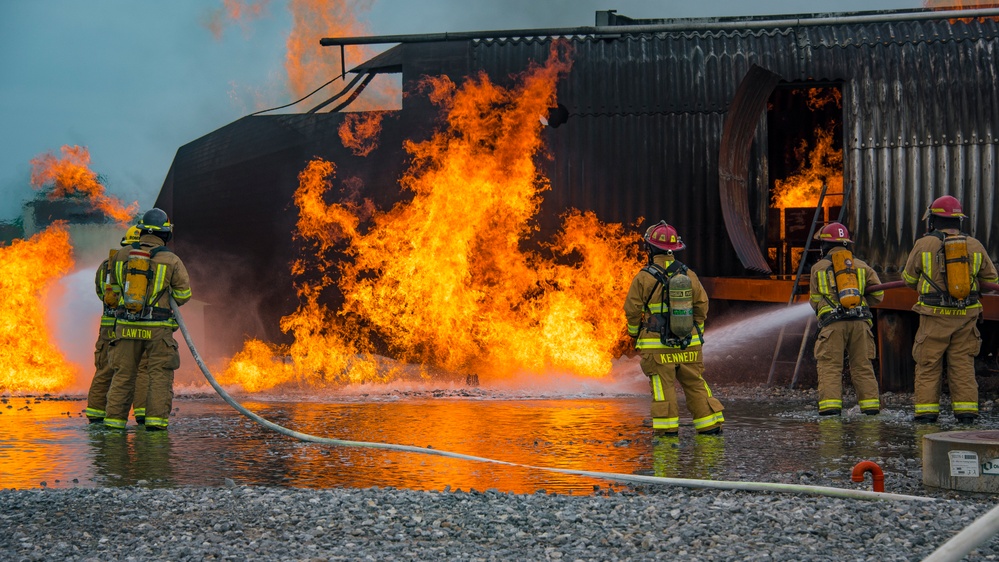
[921, 115]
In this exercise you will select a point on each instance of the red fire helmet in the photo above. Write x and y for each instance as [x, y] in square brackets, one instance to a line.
[946, 206]
[833, 232]
[664, 237]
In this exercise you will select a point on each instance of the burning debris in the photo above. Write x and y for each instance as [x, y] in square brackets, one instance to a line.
[443, 280]
[71, 176]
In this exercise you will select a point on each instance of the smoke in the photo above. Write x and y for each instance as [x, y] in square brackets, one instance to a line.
[74, 317]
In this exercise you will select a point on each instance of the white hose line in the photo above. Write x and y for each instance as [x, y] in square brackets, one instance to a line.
[973, 536]
[619, 477]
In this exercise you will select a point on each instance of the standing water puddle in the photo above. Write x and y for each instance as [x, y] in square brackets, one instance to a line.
[47, 443]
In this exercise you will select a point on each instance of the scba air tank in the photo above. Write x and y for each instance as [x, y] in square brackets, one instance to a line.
[847, 284]
[136, 280]
[958, 267]
[110, 297]
[681, 305]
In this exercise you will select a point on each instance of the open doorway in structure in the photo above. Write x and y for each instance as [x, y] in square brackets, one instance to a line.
[805, 141]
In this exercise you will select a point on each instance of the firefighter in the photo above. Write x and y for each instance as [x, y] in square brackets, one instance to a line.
[97, 397]
[945, 267]
[146, 277]
[665, 309]
[836, 286]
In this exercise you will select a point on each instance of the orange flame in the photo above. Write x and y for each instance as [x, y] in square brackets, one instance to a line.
[306, 62]
[29, 362]
[359, 132]
[71, 175]
[235, 11]
[823, 164]
[944, 5]
[442, 281]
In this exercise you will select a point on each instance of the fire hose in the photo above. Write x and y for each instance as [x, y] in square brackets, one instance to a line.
[618, 477]
[985, 285]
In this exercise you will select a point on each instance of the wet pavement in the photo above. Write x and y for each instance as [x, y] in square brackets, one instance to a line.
[45, 441]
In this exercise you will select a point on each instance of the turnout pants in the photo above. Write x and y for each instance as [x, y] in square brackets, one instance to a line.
[957, 339]
[855, 339]
[666, 366]
[163, 359]
[97, 397]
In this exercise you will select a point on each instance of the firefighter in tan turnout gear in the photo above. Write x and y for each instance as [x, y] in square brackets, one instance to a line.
[97, 397]
[836, 287]
[665, 309]
[145, 276]
[945, 267]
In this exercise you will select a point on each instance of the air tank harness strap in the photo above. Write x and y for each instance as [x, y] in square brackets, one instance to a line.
[659, 323]
[943, 299]
[839, 313]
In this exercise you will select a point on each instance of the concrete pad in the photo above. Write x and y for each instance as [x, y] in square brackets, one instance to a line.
[962, 460]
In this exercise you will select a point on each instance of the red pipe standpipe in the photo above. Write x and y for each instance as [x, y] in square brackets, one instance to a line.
[877, 475]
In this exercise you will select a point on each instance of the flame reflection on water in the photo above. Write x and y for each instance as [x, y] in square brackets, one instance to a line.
[48, 441]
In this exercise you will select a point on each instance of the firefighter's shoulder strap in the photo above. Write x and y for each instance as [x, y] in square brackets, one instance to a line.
[662, 276]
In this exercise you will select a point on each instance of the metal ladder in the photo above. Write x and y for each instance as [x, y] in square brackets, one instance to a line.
[816, 220]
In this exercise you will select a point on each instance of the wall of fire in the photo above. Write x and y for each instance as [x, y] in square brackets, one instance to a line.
[918, 116]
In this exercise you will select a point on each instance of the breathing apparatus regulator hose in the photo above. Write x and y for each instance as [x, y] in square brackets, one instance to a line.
[618, 477]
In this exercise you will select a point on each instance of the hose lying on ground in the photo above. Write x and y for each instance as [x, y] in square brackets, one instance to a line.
[630, 478]
[973, 536]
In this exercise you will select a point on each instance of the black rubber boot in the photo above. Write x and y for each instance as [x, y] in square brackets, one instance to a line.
[966, 419]
[713, 431]
[871, 412]
[925, 418]
[829, 412]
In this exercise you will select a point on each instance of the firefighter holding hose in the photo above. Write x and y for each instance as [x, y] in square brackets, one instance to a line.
[945, 267]
[97, 396]
[145, 277]
[836, 293]
[665, 309]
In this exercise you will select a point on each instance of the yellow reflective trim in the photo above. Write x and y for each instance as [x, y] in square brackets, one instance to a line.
[708, 421]
[170, 322]
[927, 260]
[139, 411]
[158, 281]
[182, 294]
[665, 423]
[830, 404]
[908, 278]
[94, 413]
[928, 408]
[868, 404]
[157, 422]
[823, 283]
[965, 406]
[657, 389]
[115, 423]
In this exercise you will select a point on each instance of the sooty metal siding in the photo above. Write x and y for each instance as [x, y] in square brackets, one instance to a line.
[921, 118]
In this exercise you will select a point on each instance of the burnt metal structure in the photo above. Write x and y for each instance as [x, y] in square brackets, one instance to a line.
[666, 119]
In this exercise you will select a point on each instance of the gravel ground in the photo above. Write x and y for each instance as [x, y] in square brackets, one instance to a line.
[254, 523]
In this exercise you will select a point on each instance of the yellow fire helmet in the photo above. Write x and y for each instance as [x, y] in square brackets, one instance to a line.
[131, 236]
